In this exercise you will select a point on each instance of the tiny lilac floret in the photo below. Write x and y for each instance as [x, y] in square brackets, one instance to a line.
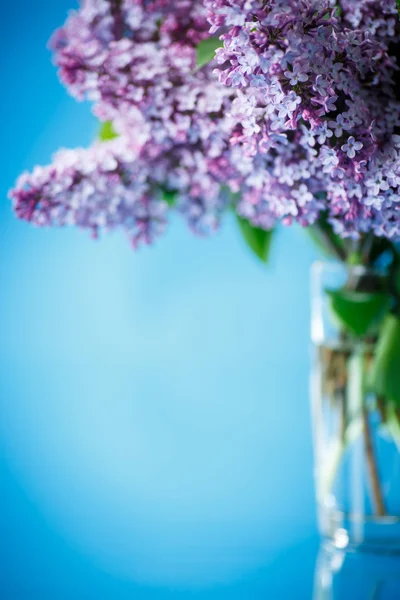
[351, 147]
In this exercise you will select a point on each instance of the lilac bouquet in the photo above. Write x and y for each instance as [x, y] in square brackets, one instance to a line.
[293, 118]
[283, 111]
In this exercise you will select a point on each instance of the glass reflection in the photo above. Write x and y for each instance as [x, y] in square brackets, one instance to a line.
[341, 575]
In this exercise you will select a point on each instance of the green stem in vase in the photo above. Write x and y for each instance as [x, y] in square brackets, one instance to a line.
[382, 408]
[332, 464]
[367, 311]
[353, 421]
[339, 365]
[359, 412]
[376, 490]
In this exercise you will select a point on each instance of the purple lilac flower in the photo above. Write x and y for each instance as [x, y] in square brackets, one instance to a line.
[103, 187]
[136, 60]
[297, 115]
[339, 68]
[379, 17]
[351, 147]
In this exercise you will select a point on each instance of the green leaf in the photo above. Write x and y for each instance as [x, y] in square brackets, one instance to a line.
[354, 258]
[107, 132]
[393, 423]
[259, 240]
[385, 375]
[169, 197]
[398, 5]
[358, 312]
[206, 50]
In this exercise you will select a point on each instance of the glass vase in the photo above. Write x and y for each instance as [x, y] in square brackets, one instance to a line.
[355, 575]
[356, 429]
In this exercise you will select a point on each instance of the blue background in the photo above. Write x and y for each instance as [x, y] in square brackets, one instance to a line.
[155, 436]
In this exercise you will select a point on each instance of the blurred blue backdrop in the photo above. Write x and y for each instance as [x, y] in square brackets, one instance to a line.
[155, 436]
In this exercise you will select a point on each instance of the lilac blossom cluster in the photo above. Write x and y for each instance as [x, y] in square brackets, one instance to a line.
[297, 116]
[136, 61]
[104, 187]
[379, 17]
[315, 80]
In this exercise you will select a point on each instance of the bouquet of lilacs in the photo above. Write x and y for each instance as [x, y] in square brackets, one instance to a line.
[282, 111]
